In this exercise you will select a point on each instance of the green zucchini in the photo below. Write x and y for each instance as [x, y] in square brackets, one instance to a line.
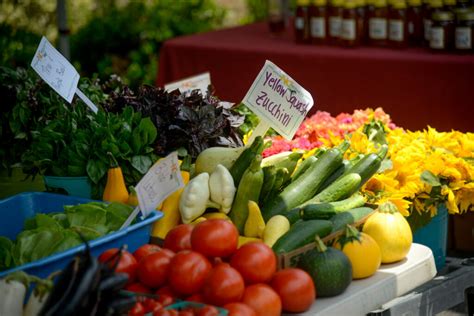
[293, 215]
[280, 175]
[269, 176]
[339, 221]
[301, 234]
[369, 165]
[328, 210]
[346, 164]
[338, 190]
[289, 163]
[303, 167]
[249, 189]
[307, 185]
[245, 159]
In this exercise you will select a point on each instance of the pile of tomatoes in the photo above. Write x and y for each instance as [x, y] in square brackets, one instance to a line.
[201, 263]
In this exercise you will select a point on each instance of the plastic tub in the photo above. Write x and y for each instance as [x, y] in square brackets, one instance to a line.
[14, 210]
[76, 186]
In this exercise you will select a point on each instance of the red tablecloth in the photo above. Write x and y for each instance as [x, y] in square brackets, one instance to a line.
[415, 86]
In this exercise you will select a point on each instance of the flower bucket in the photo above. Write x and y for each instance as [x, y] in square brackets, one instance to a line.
[434, 235]
[74, 186]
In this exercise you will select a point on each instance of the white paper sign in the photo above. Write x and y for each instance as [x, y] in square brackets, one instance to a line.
[278, 100]
[163, 178]
[201, 81]
[58, 73]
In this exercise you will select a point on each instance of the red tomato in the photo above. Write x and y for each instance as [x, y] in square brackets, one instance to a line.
[166, 290]
[195, 298]
[239, 309]
[223, 285]
[215, 238]
[295, 288]
[255, 261]
[207, 311]
[262, 299]
[127, 263]
[137, 310]
[145, 250]
[153, 269]
[186, 312]
[137, 288]
[165, 300]
[179, 238]
[151, 305]
[187, 272]
[166, 312]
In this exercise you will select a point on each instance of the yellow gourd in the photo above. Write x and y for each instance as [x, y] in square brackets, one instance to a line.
[171, 215]
[243, 240]
[132, 197]
[115, 189]
[391, 231]
[362, 250]
[254, 225]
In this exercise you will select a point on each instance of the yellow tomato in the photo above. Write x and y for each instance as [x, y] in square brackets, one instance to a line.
[392, 233]
[364, 254]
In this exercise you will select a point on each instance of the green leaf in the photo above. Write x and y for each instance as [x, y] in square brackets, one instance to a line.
[90, 233]
[46, 221]
[70, 240]
[141, 163]
[96, 169]
[117, 213]
[6, 260]
[429, 178]
[35, 244]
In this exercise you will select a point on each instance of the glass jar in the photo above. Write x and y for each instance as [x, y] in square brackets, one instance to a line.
[361, 15]
[378, 24]
[397, 25]
[414, 23]
[349, 34]
[442, 31]
[318, 22]
[301, 22]
[463, 4]
[465, 32]
[335, 20]
[276, 17]
[433, 7]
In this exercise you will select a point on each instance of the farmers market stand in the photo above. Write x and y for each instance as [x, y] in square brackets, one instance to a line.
[404, 288]
[410, 84]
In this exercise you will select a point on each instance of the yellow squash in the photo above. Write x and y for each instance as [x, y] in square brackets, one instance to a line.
[170, 207]
[363, 252]
[115, 189]
[391, 231]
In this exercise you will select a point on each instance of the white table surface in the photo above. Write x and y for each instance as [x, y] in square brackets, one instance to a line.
[389, 282]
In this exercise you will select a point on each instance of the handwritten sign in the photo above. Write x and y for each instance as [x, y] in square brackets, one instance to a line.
[201, 81]
[58, 72]
[163, 178]
[278, 100]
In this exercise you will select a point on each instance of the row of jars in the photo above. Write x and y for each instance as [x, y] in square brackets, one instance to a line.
[439, 24]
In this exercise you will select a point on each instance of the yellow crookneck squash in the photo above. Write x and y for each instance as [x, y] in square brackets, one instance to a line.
[170, 207]
[115, 189]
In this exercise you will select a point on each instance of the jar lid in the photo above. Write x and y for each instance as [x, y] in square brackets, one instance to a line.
[302, 2]
[466, 16]
[380, 3]
[337, 3]
[442, 16]
[361, 3]
[320, 3]
[414, 3]
[436, 3]
[350, 4]
[399, 4]
[449, 2]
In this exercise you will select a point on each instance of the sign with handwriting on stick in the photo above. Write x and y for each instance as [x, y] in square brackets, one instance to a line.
[58, 73]
[201, 81]
[163, 178]
[278, 100]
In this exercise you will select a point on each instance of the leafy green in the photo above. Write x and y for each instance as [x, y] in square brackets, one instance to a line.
[46, 234]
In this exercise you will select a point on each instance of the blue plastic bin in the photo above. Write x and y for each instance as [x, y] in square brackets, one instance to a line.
[14, 210]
